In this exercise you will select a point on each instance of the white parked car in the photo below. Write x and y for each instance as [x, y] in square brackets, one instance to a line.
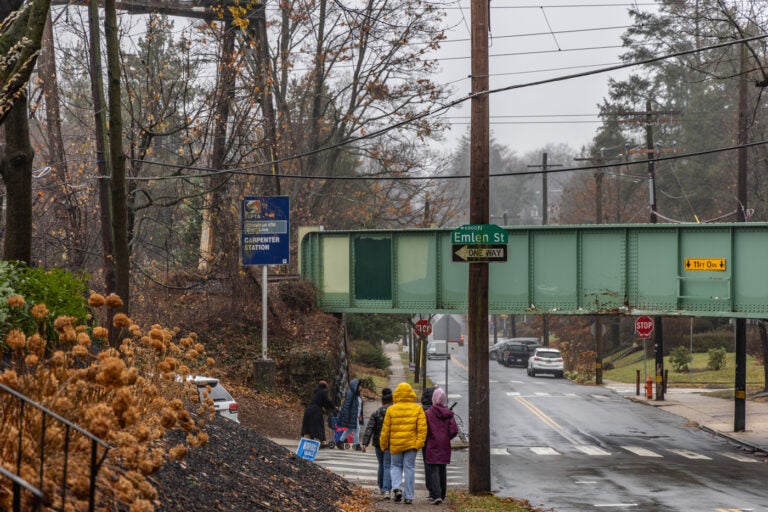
[222, 400]
[545, 360]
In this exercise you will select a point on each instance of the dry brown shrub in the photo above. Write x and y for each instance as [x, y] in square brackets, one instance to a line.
[128, 398]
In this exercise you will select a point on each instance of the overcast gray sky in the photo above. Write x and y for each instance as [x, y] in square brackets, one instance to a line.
[532, 40]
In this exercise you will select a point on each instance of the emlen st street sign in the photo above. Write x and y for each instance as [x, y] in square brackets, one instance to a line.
[479, 243]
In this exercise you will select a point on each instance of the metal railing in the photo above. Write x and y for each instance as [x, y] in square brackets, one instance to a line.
[19, 485]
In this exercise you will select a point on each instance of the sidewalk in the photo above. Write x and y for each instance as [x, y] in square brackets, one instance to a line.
[713, 415]
[421, 498]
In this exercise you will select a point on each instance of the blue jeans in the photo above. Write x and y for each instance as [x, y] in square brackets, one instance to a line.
[384, 477]
[403, 470]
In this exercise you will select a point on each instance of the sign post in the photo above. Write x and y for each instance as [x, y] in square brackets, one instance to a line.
[644, 327]
[265, 241]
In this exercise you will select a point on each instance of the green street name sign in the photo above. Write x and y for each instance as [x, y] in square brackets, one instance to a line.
[476, 234]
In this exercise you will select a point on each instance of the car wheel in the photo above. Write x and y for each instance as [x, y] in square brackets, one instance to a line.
[559, 375]
[493, 356]
[532, 373]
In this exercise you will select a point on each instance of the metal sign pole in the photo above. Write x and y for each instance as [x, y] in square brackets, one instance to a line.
[264, 278]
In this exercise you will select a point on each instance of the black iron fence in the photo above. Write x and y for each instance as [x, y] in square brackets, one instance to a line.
[42, 458]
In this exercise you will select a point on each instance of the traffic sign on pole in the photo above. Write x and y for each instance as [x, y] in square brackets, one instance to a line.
[266, 231]
[644, 326]
[422, 328]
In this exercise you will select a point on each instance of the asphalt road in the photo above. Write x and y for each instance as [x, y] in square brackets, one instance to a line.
[574, 447]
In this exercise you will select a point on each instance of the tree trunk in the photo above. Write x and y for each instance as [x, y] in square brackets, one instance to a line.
[212, 215]
[117, 157]
[16, 169]
[764, 346]
[102, 159]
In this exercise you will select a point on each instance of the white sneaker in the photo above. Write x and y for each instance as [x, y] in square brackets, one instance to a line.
[387, 495]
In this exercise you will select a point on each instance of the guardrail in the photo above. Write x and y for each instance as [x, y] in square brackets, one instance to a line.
[70, 429]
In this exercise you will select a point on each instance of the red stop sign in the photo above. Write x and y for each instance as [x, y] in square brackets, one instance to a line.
[644, 326]
[422, 328]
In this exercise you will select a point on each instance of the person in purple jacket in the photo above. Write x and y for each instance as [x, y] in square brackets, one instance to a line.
[441, 428]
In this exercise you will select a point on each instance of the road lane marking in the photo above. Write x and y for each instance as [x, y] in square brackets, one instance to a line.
[690, 455]
[592, 450]
[499, 451]
[539, 393]
[544, 450]
[740, 458]
[642, 452]
[600, 397]
[513, 393]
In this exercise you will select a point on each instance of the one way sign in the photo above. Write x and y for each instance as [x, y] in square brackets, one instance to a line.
[479, 253]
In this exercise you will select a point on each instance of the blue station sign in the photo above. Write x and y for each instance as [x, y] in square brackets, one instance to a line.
[265, 230]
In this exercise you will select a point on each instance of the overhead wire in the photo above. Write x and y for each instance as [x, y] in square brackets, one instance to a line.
[451, 104]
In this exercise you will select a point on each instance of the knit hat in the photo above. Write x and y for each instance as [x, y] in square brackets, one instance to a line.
[438, 397]
[386, 395]
[323, 384]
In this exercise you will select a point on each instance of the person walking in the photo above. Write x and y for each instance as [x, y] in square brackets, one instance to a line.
[403, 434]
[373, 434]
[426, 403]
[441, 428]
[351, 414]
[312, 424]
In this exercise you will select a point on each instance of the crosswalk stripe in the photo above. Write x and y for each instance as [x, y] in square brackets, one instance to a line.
[690, 455]
[740, 458]
[544, 450]
[499, 451]
[592, 450]
[513, 393]
[642, 452]
[600, 397]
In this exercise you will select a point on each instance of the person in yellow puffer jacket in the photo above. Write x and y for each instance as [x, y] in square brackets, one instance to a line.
[404, 432]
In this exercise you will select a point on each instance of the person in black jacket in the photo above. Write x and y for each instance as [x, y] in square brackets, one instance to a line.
[312, 425]
[426, 403]
[373, 433]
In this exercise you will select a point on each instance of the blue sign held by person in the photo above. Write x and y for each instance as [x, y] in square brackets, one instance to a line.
[308, 449]
[266, 230]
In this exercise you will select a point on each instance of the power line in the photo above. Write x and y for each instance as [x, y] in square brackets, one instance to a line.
[451, 104]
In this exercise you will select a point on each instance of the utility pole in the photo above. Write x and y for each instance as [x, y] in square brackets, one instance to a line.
[657, 332]
[544, 221]
[477, 311]
[740, 395]
[598, 220]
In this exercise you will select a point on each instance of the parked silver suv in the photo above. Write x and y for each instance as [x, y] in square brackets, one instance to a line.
[545, 360]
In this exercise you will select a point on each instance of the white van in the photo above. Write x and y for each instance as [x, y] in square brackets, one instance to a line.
[438, 349]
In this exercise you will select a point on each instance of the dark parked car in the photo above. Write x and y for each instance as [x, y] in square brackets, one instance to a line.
[514, 354]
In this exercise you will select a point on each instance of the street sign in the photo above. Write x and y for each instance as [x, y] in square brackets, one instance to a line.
[479, 253]
[265, 231]
[711, 264]
[644, 326]
[308, 448]
[422, 328]
[474, 234]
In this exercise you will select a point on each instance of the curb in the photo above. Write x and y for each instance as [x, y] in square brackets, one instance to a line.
[709, 430]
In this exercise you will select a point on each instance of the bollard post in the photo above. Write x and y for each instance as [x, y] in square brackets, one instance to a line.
[637, 383]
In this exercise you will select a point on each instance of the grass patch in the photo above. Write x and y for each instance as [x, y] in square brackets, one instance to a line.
[625, 370]
[462, 501]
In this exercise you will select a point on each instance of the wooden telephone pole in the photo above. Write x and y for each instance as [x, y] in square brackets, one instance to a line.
[477, 311]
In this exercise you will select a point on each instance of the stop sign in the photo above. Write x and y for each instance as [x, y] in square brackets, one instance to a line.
[644, 326]
[422, 328]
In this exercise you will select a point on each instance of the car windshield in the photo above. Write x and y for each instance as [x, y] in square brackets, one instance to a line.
[549, 354]
[517, 347]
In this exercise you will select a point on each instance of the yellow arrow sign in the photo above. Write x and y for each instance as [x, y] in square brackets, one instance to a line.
[707, 264]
